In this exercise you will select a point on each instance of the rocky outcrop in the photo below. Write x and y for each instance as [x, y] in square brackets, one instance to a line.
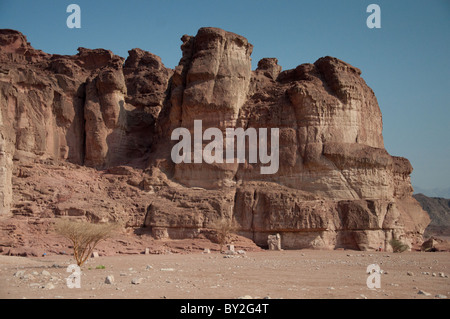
[210, 84]
[335, 185]
[439, 210]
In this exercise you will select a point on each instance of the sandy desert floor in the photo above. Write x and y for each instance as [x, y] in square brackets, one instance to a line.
[293, 274]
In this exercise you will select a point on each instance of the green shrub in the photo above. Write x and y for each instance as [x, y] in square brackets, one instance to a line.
[398, 246]
[223, 228]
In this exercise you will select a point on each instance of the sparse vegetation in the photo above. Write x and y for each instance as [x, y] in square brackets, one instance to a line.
[398, 246]
[223, 228]
[84, 236]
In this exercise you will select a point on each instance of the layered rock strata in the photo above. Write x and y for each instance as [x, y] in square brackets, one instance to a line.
[335, 185]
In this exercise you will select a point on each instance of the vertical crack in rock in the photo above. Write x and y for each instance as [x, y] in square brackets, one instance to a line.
[253, 212]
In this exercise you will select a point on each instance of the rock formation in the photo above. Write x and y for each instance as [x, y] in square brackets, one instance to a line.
[336, 186]
[438, 209]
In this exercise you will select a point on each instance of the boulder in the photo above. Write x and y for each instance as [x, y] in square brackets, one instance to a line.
[429, 245]
[274, 242]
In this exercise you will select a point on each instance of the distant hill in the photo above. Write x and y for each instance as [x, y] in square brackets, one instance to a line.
[432, 192]
[439, 210]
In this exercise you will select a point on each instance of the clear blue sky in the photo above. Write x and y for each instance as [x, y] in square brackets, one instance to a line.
[406, 62]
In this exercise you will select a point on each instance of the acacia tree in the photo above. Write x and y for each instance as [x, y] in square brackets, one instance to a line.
[84, 236]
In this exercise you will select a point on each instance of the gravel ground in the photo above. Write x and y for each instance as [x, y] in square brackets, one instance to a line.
[293, 274]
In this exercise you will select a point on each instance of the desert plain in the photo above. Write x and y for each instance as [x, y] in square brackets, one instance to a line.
[287, 274]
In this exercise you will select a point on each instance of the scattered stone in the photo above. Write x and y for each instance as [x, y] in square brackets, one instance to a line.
[147, 251]
[137, 281]
[49, 286]
[410, 273]
[148, 267]
[241, 252]
[421, 292]
[245, 297]
[433, 274]
[45, 273]
[441, 296]
[19, 273]
[167, 269]
[207, 251]
[109, 280]
[442, 275]
[28, 277]
[363, 297]
[95, 254]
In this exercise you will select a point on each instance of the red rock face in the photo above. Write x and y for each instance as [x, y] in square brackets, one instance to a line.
[336, 186]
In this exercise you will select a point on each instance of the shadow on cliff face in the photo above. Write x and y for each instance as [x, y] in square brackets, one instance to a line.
[131, 140]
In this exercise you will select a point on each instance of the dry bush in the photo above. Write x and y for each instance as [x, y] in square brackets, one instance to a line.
[223, 228]
[84, 236]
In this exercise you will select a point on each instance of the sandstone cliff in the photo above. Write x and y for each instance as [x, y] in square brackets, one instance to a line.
[336, 186]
